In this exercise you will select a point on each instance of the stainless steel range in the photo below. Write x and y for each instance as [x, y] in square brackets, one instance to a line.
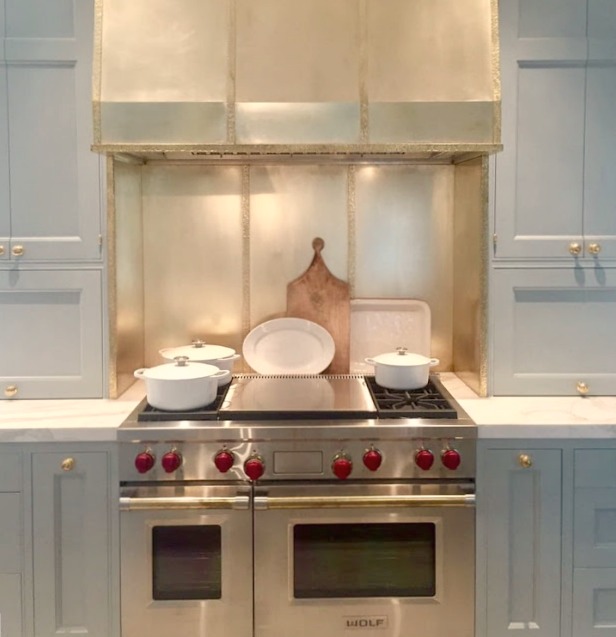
[300, 505]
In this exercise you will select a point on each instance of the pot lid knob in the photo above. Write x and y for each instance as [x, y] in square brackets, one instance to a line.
[181, 361]
[198, 343]
[401, 351]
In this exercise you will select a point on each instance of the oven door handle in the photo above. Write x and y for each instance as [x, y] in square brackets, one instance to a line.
[238, 502]
[362, 501]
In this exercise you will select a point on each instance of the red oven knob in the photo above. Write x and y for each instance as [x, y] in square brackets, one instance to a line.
[171, 461]
[424, 459]
[451, 459]
[254, 467]
[342, 467]
[224, 461]
[144, 461]
[372, 459]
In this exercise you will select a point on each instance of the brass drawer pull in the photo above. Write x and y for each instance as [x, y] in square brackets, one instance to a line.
[68, 464]
[10, 391]
[1, 251]
[17, 251]
[594, 249]
[525, 461]
[582, 388]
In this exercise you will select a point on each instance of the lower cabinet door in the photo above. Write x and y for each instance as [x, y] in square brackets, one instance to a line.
[71, 544]
[520, 516]
[51, 337]
[10, 605]
[552, 331]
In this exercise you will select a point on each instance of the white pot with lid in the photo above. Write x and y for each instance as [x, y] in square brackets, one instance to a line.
[181, 385]
[201, 352]
[402, 369]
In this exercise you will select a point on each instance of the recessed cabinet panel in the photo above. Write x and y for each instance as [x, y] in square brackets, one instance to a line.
[552, 19]
[553, 331]
[290, 206]
[51, 334]
[71, 544]
[540, 187]
[39, 18]
[193, 268]
[522, 513]
[595, 528]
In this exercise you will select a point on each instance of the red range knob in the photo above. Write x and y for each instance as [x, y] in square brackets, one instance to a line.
[171, 461]
[424, 459]
[144, 461]
[342, 467]
[451, 459]
[372, 459]
[224, 461]
[254, 468]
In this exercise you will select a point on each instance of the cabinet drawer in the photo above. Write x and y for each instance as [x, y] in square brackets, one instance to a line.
[595, 528]
[594, 602]
[10, 472]
[10, 533]
[595, 468]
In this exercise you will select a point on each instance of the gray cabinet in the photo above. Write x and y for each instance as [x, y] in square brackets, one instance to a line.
[594, 543]
[554, 190]
[50, 196]
[553, 331]
[51, 336]
[519, 541]
[11, 545]
[73, 544]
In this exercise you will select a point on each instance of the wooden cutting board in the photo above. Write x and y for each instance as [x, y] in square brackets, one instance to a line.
[318, 296]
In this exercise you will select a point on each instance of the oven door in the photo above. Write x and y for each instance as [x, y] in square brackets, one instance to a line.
[389, 560]
[186, 556]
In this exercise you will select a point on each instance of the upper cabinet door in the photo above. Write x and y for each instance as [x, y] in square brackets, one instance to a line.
[5, 218]
[600, 147]
[54, 178]
[540, 173]
[555, 196]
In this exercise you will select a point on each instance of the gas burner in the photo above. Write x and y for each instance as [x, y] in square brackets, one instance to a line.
[425, 402]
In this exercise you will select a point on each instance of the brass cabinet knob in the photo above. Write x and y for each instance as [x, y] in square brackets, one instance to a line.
[68, 464]
[525, 460]
[594, 249]
[575, 249]
[582, 388]
[10, 391]
[17, 251]
[1, 251]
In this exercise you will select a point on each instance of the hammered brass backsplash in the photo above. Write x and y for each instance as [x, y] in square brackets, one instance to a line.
[216, 245]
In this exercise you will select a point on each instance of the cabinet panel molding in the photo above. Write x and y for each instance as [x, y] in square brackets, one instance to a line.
[595, 528]
[71, 544]
[522, 512]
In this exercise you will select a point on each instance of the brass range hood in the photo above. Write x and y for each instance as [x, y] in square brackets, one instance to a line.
[248, 79]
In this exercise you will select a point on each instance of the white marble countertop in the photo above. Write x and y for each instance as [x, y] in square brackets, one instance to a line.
[85, 420]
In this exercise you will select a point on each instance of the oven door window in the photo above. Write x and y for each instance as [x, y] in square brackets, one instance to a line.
[186, 562]
[364, 560]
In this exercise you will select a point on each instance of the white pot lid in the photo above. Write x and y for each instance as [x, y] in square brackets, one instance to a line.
[401, 358]
[181, 369]
[198, 351]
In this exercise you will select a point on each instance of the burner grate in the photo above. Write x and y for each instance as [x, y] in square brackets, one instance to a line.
[426, 402]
